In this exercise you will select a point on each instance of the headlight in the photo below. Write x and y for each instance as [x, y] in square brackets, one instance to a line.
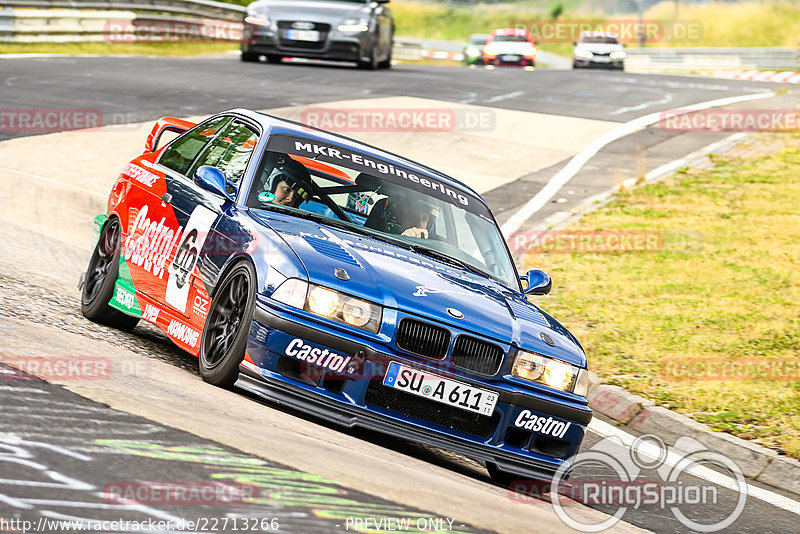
[472, 51]
[258, 18]
[360, 24]
[585, 54]
[330, 303]
[554, 373]
[323, 301]
[618, 54]
[356, 312]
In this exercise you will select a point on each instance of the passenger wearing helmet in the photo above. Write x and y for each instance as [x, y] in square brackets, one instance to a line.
[288, 183]
[405, 216]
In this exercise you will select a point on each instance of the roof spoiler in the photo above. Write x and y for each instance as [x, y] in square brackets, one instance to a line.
[162, 125]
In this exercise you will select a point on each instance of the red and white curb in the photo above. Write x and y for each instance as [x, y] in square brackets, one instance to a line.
[785, 76]
[441, 54]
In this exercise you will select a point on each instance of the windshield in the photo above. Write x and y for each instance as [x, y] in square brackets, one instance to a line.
[369, 195]
[478, 40]
[510, 38]
[599, 39]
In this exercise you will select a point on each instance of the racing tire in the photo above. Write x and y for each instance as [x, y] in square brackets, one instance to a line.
[228, 326]
[371, 63]
[274, 59]
[250, 57]
[101, 277]
[387, 63]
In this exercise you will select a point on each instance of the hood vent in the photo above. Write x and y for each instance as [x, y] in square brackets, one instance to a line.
[526, 312]
[333, 251]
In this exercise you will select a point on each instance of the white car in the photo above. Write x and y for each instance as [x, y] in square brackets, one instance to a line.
[599, 49]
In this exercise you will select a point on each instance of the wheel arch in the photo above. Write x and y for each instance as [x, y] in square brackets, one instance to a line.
[230, 263]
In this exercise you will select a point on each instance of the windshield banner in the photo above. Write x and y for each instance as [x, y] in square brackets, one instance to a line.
[337, 155]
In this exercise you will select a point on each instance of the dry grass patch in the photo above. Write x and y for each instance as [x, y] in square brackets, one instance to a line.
[724, 288]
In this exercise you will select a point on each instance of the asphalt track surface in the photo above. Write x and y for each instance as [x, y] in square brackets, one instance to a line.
[75, 448]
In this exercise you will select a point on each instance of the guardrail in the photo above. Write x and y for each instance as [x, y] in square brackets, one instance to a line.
[196, 8]
[26, 21]
[710, 59]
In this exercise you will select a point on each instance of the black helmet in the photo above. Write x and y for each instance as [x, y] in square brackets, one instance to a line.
[295, 175]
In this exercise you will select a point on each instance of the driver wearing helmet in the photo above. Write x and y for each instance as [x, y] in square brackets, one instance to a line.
[289, 183]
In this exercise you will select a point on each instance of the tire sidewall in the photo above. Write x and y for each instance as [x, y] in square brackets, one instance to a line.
[98, 306]
[226, 371]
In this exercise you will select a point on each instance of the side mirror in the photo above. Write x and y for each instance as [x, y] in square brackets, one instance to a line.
[212, 179]
[539, 282]
[574, 43]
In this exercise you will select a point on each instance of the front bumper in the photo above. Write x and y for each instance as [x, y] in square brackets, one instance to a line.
[599, 63]
[362, 400]
[510, 59]
[335, 46]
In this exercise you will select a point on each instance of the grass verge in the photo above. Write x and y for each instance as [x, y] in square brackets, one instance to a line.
[731, 296]
[741, 24]
[143, 49]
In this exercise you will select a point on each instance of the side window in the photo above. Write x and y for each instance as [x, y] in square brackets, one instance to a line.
[181, 153]
[230, 151]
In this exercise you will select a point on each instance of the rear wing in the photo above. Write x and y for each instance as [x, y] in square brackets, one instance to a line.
[162, 125]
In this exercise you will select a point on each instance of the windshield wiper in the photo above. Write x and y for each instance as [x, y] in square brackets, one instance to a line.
[446, 258]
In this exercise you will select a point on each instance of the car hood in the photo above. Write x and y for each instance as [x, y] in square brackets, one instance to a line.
[420, 285]
[330, 12]
[510, 47]
[599, 48]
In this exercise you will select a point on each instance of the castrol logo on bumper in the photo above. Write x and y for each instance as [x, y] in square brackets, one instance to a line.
[541, 424]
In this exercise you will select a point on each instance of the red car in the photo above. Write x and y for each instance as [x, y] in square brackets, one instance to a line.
[510, 46]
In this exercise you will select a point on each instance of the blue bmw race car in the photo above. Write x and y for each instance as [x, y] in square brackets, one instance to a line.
[345, 281]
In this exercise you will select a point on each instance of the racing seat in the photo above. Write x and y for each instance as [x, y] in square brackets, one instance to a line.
[377, 216]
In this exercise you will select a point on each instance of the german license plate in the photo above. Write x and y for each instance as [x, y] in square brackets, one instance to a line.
[440, 389]
[302, 35]
[511, 57]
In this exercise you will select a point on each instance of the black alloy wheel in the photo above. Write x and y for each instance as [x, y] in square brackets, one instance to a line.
[227, 326]
[101, 277]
